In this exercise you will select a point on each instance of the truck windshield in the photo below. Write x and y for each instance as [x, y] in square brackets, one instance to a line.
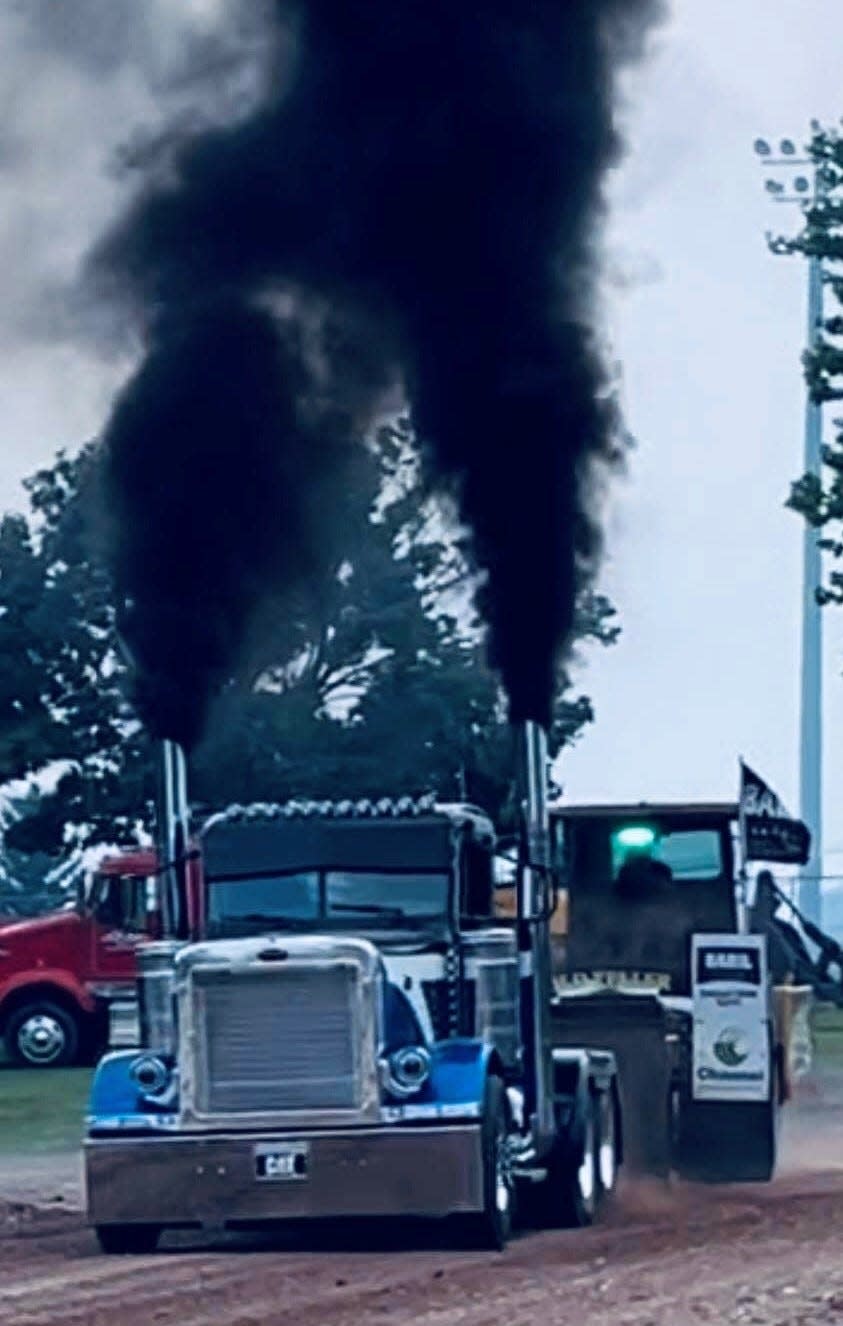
[337, 900]
[251, 906]
[387, 896]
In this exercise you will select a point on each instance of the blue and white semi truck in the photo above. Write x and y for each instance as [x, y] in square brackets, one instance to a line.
[339, 1025]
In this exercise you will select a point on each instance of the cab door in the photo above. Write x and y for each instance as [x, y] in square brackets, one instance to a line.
[119, 907]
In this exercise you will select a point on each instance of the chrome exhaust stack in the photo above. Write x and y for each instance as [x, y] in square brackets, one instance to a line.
[157, 997]
[156, 961]
[535, 903]
[173, 835]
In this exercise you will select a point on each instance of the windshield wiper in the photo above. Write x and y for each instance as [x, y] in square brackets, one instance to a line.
[374, 909]
[260, 918]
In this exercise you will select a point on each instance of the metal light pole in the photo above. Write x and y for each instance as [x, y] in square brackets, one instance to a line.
[810, 763]
[801, 190]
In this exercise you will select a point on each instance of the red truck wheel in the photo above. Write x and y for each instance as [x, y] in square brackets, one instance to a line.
[42, 1035]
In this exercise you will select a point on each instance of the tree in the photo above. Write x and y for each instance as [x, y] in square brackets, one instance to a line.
[372, 683]
[27, 727]
[69, 710]
[819, 498]
[386, 690]
[284, 726]
[454, 736]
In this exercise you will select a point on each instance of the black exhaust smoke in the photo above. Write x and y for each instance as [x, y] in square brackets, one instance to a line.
[218, 486]
[431, 173]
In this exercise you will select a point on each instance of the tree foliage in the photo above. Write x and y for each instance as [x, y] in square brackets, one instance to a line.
[819, 497]
[64, 705]
[373, 683]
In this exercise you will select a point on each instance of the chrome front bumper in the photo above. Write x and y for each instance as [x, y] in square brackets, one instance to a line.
[188, 1180]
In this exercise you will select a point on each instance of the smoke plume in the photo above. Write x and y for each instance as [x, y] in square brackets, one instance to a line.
[427, 177]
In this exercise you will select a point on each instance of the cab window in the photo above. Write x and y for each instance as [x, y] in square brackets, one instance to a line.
[477, 884]
[120, 902]
[688, 853]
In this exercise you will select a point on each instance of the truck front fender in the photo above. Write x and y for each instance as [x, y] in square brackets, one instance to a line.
[459, 1070]
[112, 1090]
[42, 983]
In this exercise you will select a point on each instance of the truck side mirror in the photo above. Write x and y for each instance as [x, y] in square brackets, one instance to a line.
[504, 872]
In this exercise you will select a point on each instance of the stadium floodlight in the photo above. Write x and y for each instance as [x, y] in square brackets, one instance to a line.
[806, 188]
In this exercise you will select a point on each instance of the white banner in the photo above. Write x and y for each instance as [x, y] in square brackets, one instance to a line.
[731, 1047]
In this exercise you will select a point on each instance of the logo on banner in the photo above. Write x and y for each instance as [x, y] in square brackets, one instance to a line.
[728, 964]
[731, 1047]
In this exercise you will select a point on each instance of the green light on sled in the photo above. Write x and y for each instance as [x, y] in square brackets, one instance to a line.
[635, 835]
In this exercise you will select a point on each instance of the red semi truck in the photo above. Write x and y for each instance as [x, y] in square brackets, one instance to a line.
[59, 973]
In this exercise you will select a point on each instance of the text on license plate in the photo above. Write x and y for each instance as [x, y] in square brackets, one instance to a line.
[282, 1160]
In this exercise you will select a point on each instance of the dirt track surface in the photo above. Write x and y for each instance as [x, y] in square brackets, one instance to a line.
[758, 1255]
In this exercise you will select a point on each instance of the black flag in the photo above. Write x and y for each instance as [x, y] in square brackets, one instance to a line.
[767, 831]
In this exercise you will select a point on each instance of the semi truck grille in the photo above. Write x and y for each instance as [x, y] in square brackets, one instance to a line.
[276, 1041]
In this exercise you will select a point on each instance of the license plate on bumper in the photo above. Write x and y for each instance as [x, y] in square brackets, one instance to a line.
[279, 1162]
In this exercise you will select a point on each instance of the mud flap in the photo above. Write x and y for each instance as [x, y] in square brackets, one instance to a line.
[725, 1142]
[634, 1029]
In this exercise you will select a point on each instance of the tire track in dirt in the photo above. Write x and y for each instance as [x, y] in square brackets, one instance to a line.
[756, 1256]
[745, 1256]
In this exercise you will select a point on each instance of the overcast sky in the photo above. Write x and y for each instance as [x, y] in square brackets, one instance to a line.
[703, 561]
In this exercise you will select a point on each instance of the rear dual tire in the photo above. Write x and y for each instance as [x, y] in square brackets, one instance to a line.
[608, 1145]
[576, 1190]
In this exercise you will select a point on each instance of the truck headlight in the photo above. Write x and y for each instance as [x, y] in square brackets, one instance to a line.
[150, 1075]
[407, 1070]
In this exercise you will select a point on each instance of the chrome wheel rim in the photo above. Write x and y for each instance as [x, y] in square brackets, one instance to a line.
[41, 1038]
[585, 1173]
[503, 1176]
[606, 1156]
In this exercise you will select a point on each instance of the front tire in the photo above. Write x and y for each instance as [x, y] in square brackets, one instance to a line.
[42, 1035]
[492, 1228]
[125, 1240]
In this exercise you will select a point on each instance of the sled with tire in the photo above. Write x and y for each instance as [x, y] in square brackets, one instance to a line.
[658, 966]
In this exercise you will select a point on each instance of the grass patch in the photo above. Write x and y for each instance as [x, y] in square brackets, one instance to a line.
[42, 1110]
[827, 1028]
